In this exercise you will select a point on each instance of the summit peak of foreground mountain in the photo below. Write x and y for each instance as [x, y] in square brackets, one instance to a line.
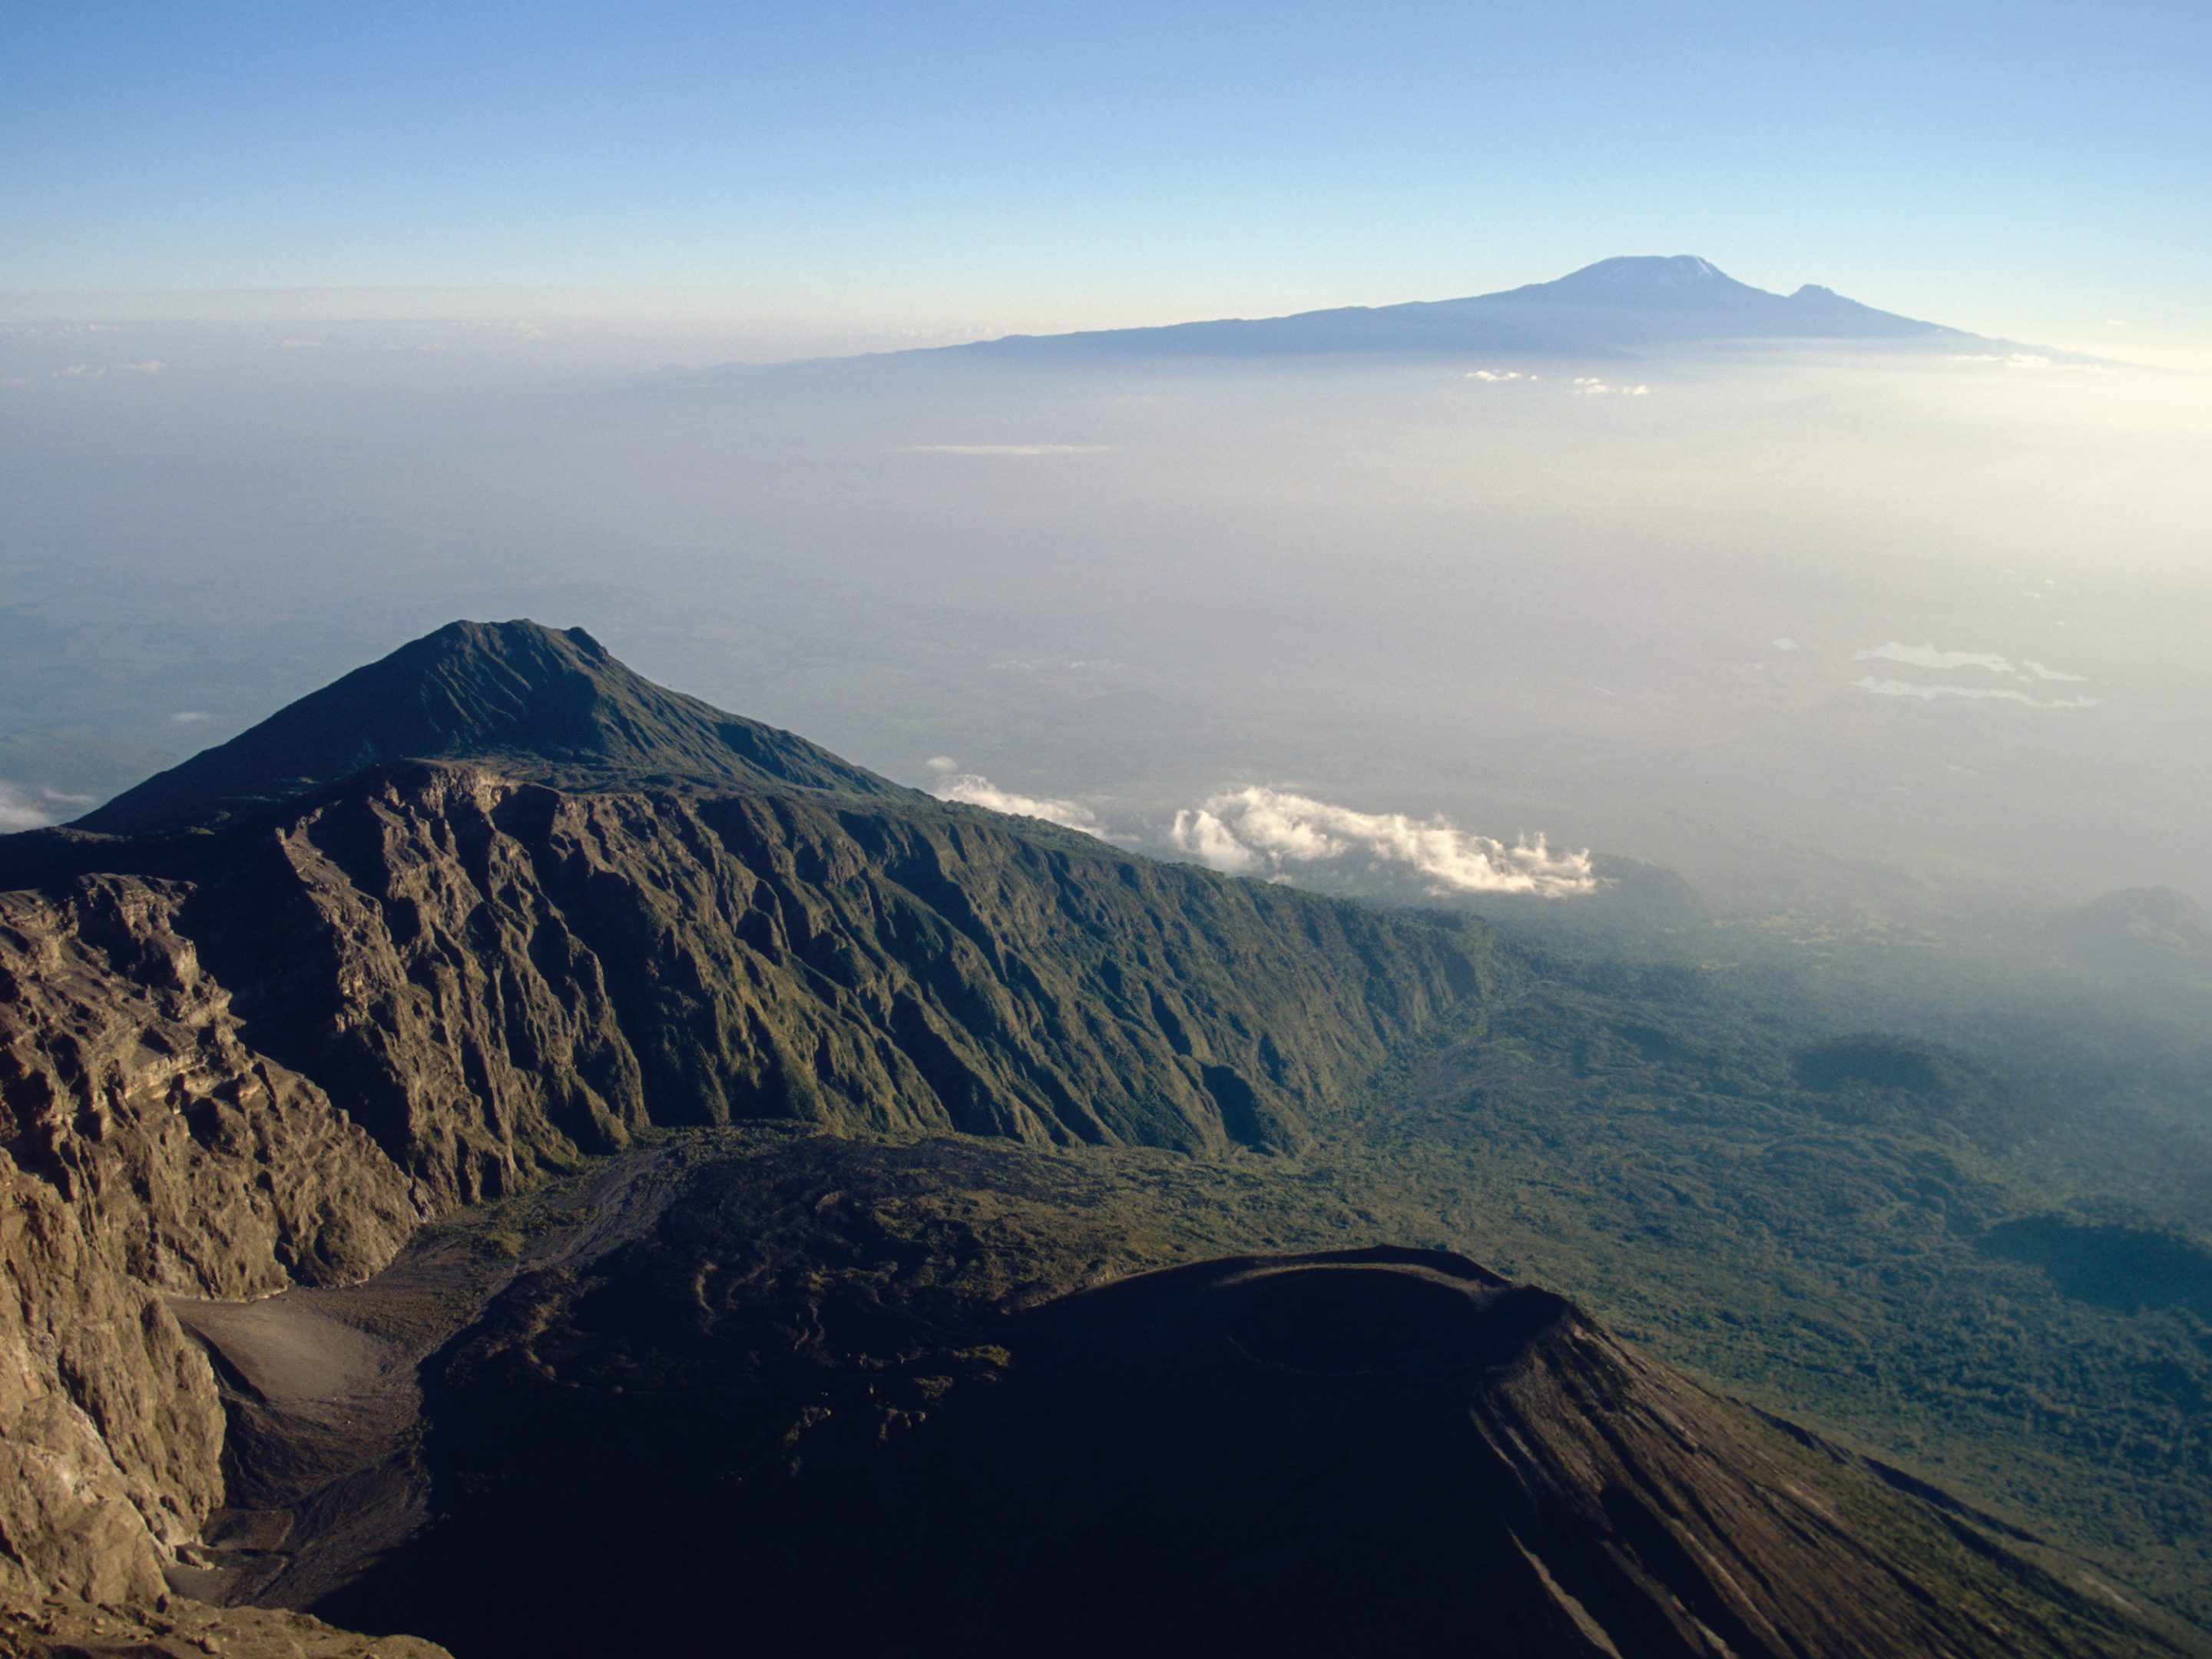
[552, 1167]
[547, 703]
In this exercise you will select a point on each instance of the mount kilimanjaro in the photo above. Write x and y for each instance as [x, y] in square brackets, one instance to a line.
[1617, 307]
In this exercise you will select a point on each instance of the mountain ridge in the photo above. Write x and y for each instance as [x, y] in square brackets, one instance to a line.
[550, 705]
[1618, 306]
[258, 1045]
[939, 1065]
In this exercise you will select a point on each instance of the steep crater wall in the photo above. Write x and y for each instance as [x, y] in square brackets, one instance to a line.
[500, 978]
[265, 1056]
[148, 1149]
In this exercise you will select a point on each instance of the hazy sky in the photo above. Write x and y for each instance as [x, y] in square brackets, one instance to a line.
[2030, 168]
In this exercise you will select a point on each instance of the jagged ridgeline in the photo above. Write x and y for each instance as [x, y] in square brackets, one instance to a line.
[510, 902]
[495, 904]
[468, 918]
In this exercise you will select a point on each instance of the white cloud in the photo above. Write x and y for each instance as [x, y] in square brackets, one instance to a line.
[1928, 693]
[1004, 449]
[1499, 374]
[189, 716]
[1073, 665]
[1245, 831]
[65, 799]
[1212, 843]
[2029, 360]
[18, 811]
[1591, 384]
[1927, 656]
[942, 763]
[1785, 643]
[972, 790]
[101, 371]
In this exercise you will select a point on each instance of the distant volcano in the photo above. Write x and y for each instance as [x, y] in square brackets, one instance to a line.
[1614, 307]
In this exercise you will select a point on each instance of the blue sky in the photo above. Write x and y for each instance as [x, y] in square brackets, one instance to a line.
[2027, 169]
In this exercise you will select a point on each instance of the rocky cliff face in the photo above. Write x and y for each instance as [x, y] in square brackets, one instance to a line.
[495, 907]
[148, 1149]
[253, 1046]
[500, 978]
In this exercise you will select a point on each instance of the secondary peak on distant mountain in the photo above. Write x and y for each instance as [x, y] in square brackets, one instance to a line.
[1615, 308]
[542, 702]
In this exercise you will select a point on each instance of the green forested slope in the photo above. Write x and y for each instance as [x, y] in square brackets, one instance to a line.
[1992, 1278]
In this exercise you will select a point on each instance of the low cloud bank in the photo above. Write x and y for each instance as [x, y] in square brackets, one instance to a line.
[973, 789]
[1976, 693]
[1928, 656]
[102, 371]
[1246, 831]
[20, 809]
[1261, 831]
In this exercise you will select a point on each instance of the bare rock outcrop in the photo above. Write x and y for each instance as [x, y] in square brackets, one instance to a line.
[500, 978]
[147, 1149]
[434, 984]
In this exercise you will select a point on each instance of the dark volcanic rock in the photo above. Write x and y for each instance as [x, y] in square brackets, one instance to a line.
[500, 977]
[254, 1045]
[1397, 1451]
[496, 905]
[831, 1406]
[710, 921]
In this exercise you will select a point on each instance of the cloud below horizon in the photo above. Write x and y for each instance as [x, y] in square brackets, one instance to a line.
[1930, 657]
[1928, 693]
[1927, 656]
[1254, 829]
[973, 789]
[18, 810]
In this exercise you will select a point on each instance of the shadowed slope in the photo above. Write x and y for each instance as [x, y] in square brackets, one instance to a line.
[1393, 1450]
[255, 1045]
[702, 920]
[548, 705]
[836, 1400]
[497, 977]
